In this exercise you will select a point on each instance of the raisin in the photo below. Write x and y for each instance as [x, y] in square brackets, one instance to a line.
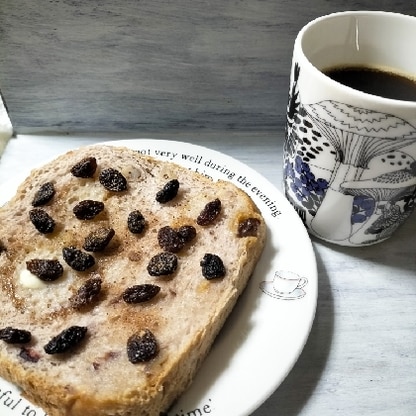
[15, 336]
[87, 293]
[187, 233]
[136, 222]
[42, 221]
[212, 266]
[113, 180]
[99, 239]
[85, 168]
[2, 248]
[140, 293]
[142, 347]
[162, 264]
[87, 209]
[209, 213]
[65, 340]
[248, 227]
[46, 270]
[44, 194]
[172, 240]
[77, 259]
[29, 354]
[168, 192]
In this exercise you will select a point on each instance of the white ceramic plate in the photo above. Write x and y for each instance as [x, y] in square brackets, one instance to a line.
[267, 330]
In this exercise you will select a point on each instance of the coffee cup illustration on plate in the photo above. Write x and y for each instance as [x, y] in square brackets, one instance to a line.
[285, 285]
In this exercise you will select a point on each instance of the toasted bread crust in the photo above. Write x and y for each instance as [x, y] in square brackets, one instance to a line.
[96, 377]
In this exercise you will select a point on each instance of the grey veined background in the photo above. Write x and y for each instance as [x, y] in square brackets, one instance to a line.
[152, 65]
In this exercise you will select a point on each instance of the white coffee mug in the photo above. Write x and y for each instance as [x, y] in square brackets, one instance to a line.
[349, 155]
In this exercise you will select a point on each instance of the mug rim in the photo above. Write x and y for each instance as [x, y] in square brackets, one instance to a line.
[306, 61]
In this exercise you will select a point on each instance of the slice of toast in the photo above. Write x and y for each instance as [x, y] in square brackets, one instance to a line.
[117, 272]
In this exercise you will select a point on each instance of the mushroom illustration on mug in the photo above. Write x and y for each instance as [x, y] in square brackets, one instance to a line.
[285, 285]
[358, 136]
[364, 144]
[391, 194]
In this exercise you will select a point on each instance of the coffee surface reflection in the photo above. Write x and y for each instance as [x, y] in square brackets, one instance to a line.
[375, 81]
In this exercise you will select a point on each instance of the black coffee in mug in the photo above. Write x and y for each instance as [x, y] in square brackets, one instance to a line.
[375, 81]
